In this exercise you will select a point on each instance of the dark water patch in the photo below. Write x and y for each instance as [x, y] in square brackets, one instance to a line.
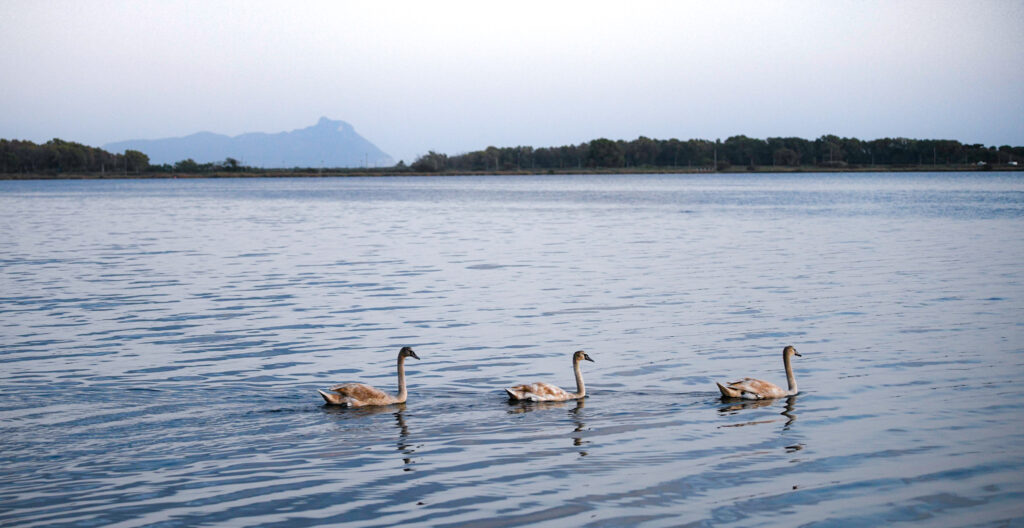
[374, 309]
[493, 266]
[759, 336]
[154, 369]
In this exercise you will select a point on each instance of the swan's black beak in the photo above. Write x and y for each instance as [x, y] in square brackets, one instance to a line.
[413, 354]
[586, 357]
[797, 354]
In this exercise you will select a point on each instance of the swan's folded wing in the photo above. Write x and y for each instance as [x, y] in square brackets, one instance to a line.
[358, 391]
[758, 388]
[538, 392]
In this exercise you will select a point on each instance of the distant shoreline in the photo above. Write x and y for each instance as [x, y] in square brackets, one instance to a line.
[362, 173]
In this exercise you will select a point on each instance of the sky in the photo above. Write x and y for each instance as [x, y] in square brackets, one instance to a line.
[454, 77]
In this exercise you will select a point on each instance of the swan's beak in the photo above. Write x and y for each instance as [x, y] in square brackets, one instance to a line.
[413, 354]
[586, 357]
[795, 353]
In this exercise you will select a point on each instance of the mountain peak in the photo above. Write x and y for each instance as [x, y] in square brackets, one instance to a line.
[328, 143]
[325, 125]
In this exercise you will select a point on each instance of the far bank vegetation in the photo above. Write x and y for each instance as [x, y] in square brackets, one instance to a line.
[737, 152]
[57, 158]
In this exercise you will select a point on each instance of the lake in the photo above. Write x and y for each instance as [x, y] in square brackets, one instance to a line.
[161, 343]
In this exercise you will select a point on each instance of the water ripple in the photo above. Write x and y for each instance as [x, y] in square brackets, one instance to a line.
[162, 342]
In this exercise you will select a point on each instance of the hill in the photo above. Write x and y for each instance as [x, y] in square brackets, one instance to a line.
[328, 143]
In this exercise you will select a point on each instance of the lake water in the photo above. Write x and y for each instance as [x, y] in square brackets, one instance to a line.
[161, 343]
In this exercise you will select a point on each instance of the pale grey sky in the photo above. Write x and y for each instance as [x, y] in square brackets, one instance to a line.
[459, 76]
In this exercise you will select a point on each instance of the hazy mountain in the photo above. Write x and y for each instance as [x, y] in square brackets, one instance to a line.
[326, 144]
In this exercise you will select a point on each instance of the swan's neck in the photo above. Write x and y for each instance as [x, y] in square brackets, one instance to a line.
[402, 393]
[789, 374]
[581, 390]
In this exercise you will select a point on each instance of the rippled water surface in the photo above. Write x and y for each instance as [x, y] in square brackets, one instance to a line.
[161, 343]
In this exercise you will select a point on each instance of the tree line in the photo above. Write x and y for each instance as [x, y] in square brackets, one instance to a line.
[643, 152]
[57, 156]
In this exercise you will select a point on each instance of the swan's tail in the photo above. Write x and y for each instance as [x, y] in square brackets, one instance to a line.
[521, 392]
[333, 398]
[728, 392]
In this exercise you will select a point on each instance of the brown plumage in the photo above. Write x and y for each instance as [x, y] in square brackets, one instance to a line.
[541, 391]
[755, 389]
[358, 394]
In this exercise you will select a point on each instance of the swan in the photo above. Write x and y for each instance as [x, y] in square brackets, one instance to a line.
[755, 389]
[358, 395]
[546, 392]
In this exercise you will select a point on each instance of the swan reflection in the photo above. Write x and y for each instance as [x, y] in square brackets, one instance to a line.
[525, 406]
[575, 414]
[736, 407]
[403, 445]
[356, 413]
[788, 413]
[577, 418]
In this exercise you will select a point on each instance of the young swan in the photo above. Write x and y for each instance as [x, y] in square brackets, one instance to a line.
[546, 392]
[755, 389]
[358, 395]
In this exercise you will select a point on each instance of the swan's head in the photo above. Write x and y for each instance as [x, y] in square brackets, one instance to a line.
[407, 352]
[580, 356]
[790, 351]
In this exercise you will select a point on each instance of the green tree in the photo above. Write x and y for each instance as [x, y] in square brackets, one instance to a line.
[136, 161]
[642, 152]
[431, 162]
[188, 166]
[605, 153]
[785, 157]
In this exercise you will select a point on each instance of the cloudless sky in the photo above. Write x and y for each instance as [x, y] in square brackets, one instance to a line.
[459, 76]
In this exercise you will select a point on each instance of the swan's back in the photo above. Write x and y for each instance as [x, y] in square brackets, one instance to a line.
[356, 394]
[539, 391]
[752, 389]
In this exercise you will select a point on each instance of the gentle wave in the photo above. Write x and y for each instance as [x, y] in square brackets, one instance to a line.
[162, 343]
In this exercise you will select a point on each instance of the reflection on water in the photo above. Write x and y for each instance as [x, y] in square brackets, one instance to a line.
[355, 417]
[736, 405]
[577, 418]
[161, 343]
[575, 413]
[788, 412]
[523, 406]
[404, 446]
